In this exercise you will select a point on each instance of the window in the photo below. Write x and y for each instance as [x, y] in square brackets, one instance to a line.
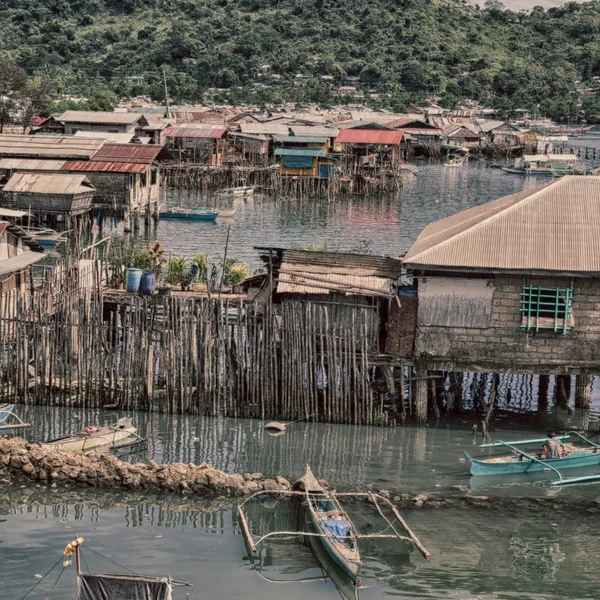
[546, 308]
[153, 177]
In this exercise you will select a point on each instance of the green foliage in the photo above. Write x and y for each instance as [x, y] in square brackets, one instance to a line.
[403, 51]
[234, 272]
[177, 271]
[201, 261]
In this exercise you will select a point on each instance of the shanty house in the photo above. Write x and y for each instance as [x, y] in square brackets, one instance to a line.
[303, 156]
[200, 146]
[500, 133]
[513, 285]
[248, 149]
[126, 176]
[340, 282]
[49, 193]
[49, 147]
[112, 122]
[369, 147]
[460, 136]
[17, 253]
[416, 132]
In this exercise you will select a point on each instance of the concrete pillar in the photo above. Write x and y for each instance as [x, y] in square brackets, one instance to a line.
[583, 391]
[543, 384]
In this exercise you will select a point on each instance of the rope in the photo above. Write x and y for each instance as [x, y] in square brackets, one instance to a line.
[84, 562]
[43, 577]
[110, 559]
[56, 583]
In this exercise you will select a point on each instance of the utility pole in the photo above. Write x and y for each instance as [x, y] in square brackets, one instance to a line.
[168, 115]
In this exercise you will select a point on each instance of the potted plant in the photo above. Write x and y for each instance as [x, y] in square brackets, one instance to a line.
[155, 261]
[177, 273]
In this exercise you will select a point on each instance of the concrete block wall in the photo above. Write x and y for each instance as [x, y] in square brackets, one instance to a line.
[505, 346]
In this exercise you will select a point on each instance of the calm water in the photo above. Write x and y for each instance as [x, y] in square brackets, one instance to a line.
[495, 553]
[386, 225]
[484, 554]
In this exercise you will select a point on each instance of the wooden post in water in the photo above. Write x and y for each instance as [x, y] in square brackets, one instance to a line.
[563, 391]
[421, 390]
[583, 391]
[543, 383]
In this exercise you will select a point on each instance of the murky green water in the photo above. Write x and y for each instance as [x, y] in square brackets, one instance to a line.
[498, 552]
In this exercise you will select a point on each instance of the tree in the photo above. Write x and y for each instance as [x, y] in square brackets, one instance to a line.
[13, 81]
[36, 97]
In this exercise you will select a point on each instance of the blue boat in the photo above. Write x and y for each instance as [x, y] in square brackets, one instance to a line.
[522, 462]
[338, 535]
[198, 214]
[6, 411]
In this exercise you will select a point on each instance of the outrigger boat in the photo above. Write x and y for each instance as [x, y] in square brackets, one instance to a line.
[520, 461]
[197, 214]
[7, 414]
[333, 527]
[96, 437]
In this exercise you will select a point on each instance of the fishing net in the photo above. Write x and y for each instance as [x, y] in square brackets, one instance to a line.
[122, 587]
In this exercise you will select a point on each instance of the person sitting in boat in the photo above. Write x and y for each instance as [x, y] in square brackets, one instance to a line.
[553, 448]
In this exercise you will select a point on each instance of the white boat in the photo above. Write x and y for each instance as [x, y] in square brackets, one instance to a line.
[95, 437]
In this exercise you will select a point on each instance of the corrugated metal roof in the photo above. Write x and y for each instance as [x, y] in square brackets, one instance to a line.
[9, 212]
[195, 133]
[300, 139]
[48, 183]
[264, 128]
[299, 282]
[337, 262]
[128, 153]
[34, 146]
[20, 261]
[329, 132]
[30, 164]
[183, 116]
[369, 136]
[87, 116]
[552, 227]
[298, 152]
[93, 166]
[405, 122]
[115, 138]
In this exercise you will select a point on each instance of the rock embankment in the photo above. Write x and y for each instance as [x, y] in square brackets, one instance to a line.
[23, 461]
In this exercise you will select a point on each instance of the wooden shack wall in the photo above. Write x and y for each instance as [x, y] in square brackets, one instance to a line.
[402, 327]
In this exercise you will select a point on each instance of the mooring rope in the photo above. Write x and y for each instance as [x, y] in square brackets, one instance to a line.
[110, 559]
[56, 583]
[42, 578]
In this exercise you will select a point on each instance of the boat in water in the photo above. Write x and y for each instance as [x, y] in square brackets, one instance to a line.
[338, 534]
[92, 437]
[520, 462]
[455, 161]
[190, 214]
[548, 165]
[5, 412]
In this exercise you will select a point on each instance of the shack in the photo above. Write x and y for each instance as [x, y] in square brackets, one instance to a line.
[49, 147]
[126, 176]
[111, 122]
[458, 135]
[17, 253]
[199, 146]
[512, 285]
[304, 156]
[49, 194]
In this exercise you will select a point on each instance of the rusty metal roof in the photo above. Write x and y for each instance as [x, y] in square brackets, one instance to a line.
[113, 138]
[369, 136]
[552, 227]
[3, 226]
[48, 183]
[99, 117]
[128, 153]
[104, 167]
[299, 282]
[35, 146]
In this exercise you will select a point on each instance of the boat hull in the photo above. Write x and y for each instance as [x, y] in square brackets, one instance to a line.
[5, 412]
[84, 444]
[209, 216]
[514, 170]
[573, 461]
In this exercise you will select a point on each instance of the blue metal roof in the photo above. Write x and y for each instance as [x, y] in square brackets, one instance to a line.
[301, 139]
[298, 152]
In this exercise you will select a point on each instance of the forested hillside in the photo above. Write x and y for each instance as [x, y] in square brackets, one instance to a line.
[407, 48]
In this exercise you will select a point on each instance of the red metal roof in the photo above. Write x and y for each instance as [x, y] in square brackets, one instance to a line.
[128, 153]
[369, 136]
[195, 133]
[103, 167]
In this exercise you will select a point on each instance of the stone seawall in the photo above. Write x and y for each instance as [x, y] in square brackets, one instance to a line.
[23, 461]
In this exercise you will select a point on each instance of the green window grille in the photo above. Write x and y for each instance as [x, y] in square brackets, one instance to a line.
[546, 308]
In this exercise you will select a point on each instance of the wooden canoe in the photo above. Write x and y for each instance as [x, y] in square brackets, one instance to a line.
[339, 537]
[98, 437]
